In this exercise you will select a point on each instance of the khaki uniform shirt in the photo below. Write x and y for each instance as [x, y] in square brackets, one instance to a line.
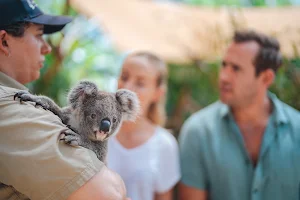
[34, 164]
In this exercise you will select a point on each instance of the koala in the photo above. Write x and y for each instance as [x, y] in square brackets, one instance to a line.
[91, 115]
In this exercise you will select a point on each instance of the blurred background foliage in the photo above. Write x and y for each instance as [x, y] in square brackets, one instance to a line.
[84, 51]
[81, 51]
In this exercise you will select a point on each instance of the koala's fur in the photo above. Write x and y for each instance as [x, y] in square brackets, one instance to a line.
[92, 115]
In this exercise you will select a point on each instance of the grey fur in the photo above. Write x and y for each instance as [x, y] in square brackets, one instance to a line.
[86, 110]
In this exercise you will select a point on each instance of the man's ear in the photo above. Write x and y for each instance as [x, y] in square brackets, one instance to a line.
[268, 77]
[4, 48]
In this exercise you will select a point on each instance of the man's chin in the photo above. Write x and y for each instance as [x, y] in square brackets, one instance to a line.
[225, 100]
[33, 77]
[37, 75]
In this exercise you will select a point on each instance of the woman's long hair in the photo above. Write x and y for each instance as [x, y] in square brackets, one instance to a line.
[156, 112]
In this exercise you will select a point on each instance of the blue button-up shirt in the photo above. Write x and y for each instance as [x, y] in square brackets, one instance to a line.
[214, 157]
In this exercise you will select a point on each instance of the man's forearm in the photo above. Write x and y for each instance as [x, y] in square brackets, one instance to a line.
[105, 185]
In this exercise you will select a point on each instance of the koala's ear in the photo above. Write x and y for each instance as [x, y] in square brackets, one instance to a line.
[81, 91]
[129, 103]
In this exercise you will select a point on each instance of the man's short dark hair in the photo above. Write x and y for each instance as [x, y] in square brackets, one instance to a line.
[17, 29]
[269, 56]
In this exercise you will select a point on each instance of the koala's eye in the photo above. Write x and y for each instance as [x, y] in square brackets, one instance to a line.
[114, 120]
[93, 116]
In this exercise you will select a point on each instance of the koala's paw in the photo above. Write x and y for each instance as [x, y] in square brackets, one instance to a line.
[70, 137]
[43, 104]
[26, 96]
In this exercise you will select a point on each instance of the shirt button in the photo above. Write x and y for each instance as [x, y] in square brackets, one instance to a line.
[255, 190]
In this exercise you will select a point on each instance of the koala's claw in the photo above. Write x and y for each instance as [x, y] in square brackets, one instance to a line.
[20, 95]
[26, 96]
[70, 137]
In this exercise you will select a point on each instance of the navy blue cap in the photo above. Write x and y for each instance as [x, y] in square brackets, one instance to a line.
[13, 11]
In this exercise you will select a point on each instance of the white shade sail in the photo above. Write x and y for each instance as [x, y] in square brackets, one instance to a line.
[181, 33]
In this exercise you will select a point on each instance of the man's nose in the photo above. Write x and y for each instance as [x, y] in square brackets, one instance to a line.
[46, 48]
[224, 74]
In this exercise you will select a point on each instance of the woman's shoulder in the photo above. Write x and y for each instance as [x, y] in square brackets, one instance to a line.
[165, 137]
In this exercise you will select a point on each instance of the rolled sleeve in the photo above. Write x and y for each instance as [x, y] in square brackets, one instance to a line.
[33, 160]
[169, 168]
[193, 171]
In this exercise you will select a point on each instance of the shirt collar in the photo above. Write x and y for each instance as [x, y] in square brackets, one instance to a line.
[225, 110]
[278, 110]
[9, 82]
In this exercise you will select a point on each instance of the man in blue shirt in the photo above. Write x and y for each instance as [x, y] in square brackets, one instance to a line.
[247, 145]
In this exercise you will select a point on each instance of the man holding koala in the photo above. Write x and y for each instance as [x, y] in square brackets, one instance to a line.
[34, 164]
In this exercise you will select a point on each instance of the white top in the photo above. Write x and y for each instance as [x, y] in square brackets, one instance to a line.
[152, 167]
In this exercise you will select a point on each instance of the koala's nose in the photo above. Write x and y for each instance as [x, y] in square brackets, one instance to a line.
[105, 125]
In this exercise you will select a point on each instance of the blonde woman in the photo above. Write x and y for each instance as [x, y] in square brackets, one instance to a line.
[143, 153]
